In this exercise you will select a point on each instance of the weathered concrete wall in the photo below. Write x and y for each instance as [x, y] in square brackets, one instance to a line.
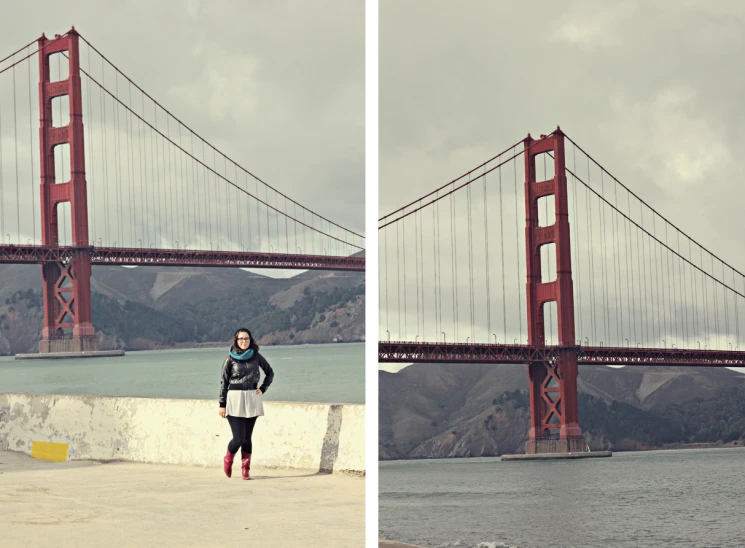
[309, 436]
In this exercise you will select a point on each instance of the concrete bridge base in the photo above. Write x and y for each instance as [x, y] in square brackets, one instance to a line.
[62, 355]
[54, 346]
[551, 456]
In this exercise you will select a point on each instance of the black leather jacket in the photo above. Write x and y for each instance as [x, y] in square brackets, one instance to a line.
[244, 375]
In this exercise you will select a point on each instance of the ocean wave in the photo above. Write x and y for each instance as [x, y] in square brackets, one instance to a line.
[486, 544]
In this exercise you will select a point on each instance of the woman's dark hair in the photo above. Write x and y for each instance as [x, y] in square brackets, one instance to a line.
[252, 344]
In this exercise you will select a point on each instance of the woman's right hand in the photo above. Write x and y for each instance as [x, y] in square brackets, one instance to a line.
[222, 412]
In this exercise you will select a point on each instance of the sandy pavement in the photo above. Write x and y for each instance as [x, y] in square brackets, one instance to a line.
[85, 503]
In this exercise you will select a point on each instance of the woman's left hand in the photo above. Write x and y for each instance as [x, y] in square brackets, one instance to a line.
[258, 391]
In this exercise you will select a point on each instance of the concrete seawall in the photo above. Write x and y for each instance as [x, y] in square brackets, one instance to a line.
[303, 436]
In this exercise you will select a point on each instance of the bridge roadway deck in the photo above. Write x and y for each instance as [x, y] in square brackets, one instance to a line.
[138, 256]
[411, 352]
[85, 503]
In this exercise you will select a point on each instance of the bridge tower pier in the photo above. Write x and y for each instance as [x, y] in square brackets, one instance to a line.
[554, 421]
[66, 285]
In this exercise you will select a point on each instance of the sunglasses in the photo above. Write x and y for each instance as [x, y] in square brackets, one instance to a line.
[244, 338]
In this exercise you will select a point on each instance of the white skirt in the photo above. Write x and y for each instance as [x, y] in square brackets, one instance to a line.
[244, 403]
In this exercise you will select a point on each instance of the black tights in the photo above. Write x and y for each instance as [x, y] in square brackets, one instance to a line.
[242, 429]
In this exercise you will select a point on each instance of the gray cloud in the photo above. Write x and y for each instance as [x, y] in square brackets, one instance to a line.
[277, 86]
[652, 92]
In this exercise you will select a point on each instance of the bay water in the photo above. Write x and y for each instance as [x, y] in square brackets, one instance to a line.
[692, 498]
[323, 373]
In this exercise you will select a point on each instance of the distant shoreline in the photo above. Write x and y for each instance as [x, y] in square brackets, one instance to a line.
[669, 447]
[223, 344]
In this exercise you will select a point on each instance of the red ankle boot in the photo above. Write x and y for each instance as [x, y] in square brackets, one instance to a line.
[227, 463]
[245, 464]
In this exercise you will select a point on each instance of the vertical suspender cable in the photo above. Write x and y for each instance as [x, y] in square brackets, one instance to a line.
[455, 262]
[92, 181]
[639, 278]
[2, 196]
[453, 266]
[656, 278]
[716, 302]
[578, 266]
[601, 214]
[706, 293]
[130, 173]
[683, 268]
[548, 254]
[643, 261]
[31, 154]
[616, 274]
[726, 311]
[417, 249]
[517, 251]
[15, 136]
[590, 230]
[631, 256]
[403, 230]
[439, 268]
[398, 285]
[434, 266]
[117, 159]
[486, 254]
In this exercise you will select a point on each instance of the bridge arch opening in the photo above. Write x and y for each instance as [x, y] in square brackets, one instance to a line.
[62, 163]
[64, 224]
[548, 263]
[61, 111]
[59, 67]
[550, 323]
[544, 167]
[546, 211]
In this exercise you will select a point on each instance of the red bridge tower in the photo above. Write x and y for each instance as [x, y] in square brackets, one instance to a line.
[554, 426]
[67, 292]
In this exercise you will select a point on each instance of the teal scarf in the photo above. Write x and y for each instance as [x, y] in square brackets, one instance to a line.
[245, 356]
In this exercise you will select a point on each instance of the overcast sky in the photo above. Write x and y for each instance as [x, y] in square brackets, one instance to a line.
[277, 86]
[654, 93]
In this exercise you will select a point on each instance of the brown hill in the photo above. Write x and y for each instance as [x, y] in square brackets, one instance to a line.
[460, 410]
[158, 307]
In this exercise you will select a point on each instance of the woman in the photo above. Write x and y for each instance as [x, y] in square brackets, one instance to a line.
[240, 396]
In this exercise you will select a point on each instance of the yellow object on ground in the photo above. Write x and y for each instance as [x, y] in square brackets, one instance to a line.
[48, 450]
